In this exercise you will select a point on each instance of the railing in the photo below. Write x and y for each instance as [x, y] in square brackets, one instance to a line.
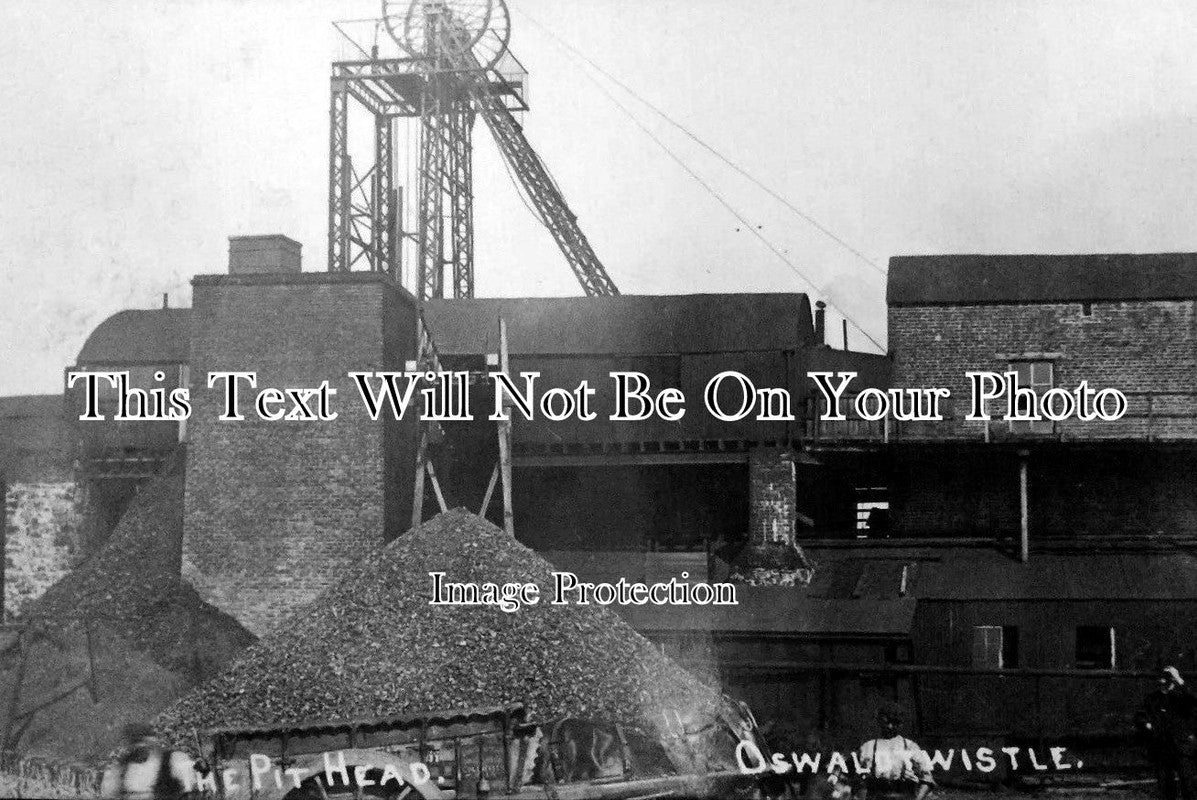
[1150, 416]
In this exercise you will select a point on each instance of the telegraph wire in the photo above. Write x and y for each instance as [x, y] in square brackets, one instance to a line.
[702, 143]
[731, 209]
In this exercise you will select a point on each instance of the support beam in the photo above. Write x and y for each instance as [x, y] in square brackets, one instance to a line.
[490, 490]
[504, 427]
[436, 486]
[417, 503]
[338, 179]
[1024, 537]
[382, 193]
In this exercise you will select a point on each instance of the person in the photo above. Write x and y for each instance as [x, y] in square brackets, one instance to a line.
[1167, 722]
[146, 770]
[893, 766]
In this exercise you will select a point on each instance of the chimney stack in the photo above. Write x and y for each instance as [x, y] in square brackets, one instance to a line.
[820, 322]
[272, 253]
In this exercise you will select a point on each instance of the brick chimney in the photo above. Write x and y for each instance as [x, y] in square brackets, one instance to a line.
[772, 556]
[271, 253]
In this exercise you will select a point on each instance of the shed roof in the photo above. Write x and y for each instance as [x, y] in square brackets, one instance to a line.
[781, 610]
[971, 573]
[872, 369]
[32, 406]
[981, 279]
[140, 336]
[624, 325]
[988, 575]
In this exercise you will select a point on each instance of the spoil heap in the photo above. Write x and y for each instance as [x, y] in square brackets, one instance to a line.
[373, 646]
[151, 638]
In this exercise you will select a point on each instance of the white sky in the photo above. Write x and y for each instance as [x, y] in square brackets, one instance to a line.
[136, 135]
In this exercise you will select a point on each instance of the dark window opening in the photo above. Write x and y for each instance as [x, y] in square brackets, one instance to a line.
[1095, 647]
[897, 653]
[1086, 309]
[1009, 647]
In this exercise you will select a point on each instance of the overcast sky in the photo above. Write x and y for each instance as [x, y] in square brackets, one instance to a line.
[136, 136]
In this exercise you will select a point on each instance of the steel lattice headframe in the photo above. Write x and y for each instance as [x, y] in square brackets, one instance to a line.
[453, 66]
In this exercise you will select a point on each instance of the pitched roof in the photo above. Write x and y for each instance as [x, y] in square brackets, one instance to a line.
[140, 336]
[979, 279]
[624, 325]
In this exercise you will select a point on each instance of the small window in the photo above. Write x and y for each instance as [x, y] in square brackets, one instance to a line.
[872, 512]
[1086, 309]
[987, 646]
[995, 647]
[1095, 647]
[1039, 377]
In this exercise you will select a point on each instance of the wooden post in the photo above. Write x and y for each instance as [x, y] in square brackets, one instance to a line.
[436, 485]
[1024, 538]
[490, 490]
[417, 503]
[505, 436]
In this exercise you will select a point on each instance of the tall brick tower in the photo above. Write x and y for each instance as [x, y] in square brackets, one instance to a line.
[274, 510]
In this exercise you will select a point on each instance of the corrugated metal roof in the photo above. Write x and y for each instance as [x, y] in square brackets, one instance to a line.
[624, 325]
[780, 610]
[140, 336]
[977, 279]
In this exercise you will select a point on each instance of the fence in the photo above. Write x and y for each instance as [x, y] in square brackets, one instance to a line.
[36, 777]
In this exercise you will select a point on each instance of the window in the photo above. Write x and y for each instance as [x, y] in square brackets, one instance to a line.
[1009, 647]
[897, 653]
[1038, 377]
[995, 647]
[872, 512]
[1095, 647]
[1086, 309]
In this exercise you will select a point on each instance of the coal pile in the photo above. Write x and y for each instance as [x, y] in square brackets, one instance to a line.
[373, 646]
[127, 624]
[132, 587]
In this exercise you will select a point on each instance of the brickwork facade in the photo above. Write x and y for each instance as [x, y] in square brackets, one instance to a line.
[772, 496]
[1100, 478]
[1147, 349]
[274, 510]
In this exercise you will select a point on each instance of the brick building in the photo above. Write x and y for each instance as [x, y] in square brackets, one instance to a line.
[1122, 321]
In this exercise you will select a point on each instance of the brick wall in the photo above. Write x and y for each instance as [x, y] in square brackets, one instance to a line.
[1136, 347]
[41, 539]
[772, 496]
[771, 556]
[274, 510]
